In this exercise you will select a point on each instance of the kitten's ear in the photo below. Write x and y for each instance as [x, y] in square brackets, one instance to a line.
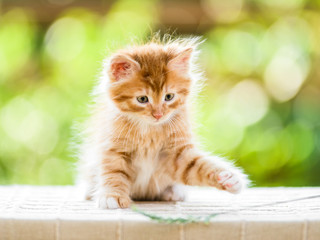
[122, 66]
[181, 62]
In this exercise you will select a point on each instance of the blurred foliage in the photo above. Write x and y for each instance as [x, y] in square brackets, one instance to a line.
[260, 105]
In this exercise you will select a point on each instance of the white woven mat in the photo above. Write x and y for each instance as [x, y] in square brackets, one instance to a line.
[56, 212]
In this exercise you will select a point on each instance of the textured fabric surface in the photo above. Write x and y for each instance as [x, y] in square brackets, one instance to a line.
[56, 212]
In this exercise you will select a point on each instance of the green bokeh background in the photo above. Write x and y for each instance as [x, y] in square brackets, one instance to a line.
[260, 105]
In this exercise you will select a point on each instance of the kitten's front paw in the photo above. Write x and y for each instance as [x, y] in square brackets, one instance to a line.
[229, 181]
[109, 202]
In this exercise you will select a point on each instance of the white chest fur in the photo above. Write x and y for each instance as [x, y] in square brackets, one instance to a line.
[145, 184]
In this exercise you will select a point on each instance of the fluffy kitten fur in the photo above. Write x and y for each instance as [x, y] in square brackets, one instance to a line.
[143, 151]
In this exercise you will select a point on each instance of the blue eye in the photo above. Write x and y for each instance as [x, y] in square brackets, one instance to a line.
[142, 99]
[169, 97]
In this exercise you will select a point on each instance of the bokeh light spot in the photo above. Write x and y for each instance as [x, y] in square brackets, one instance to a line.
[223, 11]
[247, 102]
[241, 52]
[12, 114]
[65, 39]
[284, 75]
[22, 122]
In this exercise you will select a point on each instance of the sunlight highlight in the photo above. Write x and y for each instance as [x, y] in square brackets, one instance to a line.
[247, 102]
[60, 47]
[284, 75]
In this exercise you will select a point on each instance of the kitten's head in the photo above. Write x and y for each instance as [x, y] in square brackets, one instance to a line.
[150, 82]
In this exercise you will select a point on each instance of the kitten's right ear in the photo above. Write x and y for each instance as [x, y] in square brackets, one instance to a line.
[122, 66]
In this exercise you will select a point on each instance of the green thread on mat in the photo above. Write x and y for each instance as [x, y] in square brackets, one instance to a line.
[206, 219]
[187, 219]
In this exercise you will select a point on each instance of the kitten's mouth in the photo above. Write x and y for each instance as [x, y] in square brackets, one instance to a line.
[156, 121]
[159, 121]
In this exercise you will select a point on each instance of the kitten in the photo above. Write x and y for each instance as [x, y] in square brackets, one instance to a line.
[139, 143]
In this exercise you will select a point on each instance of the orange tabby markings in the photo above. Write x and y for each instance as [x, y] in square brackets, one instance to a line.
[139, 142]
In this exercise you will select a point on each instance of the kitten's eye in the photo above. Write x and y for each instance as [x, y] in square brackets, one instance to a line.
[169, 97]
[142, 99]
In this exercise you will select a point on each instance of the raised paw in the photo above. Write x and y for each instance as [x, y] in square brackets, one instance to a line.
[229, 181]
[113, 202]
[173, 193]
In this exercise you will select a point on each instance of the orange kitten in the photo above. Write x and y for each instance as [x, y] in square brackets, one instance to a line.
[139, 143]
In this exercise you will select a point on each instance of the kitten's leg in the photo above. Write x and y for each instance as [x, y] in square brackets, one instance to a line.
[173, 193]
[115, 182]
[89, 189]
[195, 168]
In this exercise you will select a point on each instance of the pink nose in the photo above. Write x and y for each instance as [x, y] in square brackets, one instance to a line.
[157, 115]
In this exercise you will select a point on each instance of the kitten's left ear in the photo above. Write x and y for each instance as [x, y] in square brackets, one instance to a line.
[181, 62]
